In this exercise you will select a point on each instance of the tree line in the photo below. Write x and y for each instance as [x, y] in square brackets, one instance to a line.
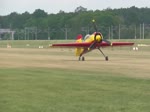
[130, 22]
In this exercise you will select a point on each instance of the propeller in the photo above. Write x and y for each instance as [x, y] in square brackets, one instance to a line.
[96, 34]
[94, 24]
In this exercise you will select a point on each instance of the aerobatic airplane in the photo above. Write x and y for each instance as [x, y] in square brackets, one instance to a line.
[91, 42]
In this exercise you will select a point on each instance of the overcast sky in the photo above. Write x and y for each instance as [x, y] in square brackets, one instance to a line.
[54, 6]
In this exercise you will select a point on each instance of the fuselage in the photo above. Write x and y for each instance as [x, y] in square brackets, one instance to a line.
[92, 38]
[89, 39]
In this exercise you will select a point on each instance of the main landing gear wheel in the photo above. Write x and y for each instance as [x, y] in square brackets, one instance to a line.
[106, 58]
[81, 59]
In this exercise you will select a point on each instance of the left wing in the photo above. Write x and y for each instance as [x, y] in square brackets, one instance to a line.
[87, 44]
[83, 44]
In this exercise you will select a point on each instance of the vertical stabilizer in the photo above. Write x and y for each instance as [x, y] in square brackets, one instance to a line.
[79, 38]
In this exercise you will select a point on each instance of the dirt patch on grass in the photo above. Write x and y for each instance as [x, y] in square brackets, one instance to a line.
[128, 63]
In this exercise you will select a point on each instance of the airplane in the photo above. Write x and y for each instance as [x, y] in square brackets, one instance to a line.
[91, 42]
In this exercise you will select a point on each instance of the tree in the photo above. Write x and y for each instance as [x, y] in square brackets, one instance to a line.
[38, 13]
[80, 9]
[107, 21]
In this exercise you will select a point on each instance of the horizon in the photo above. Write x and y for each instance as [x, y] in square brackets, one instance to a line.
[109, 8]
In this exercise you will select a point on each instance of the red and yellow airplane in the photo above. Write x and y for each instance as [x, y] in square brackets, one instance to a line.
[91, 42]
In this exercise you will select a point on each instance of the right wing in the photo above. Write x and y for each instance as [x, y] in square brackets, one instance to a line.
[87, 44]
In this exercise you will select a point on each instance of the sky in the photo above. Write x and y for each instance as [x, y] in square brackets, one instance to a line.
[54, 6]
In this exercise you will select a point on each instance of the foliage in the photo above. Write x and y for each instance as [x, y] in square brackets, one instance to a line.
[75, 21]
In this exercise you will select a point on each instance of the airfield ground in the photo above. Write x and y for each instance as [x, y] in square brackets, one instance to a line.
[53, 80]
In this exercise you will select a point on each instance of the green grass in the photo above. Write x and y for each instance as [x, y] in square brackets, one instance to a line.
[108, 89]
[29, 43]
[61, 90]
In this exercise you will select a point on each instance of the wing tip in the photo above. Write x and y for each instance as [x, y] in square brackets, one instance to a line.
[50, 45]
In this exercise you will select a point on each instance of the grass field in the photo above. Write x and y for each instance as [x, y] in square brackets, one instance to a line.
[53, 80]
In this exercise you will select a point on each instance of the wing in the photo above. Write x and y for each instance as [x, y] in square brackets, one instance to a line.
[83, 44]
[105, 44]
[87, 44]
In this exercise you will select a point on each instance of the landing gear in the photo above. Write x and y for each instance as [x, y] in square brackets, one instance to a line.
[81, 58]
[106, 57]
